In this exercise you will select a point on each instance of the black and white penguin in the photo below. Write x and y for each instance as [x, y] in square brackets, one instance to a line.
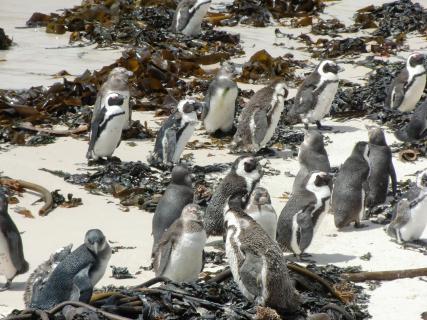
[179, 255]
[260, 117]
[117, 82]
[188, 17]
[106, 128]
[12, 261]
[178, 194]
[415, 130]
[244, 175]
[348, 193]
[174, 134]
[315, 95]
[304, 212]
[257, 263]
[76, 275]
[220, 102]
[260, 209]
[382, 168]
[408, 86]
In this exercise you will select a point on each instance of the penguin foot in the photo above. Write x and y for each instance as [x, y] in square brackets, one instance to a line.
[358, 225]
[303, 257]
[320, 127]
[6, 286]
[114, 159]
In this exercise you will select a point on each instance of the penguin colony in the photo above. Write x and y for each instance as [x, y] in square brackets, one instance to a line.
[240, 209]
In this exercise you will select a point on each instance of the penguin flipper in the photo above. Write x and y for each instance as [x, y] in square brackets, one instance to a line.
[82, 286]
[169, 145]
[303, 102]
[306, 227]
[16, 250]
[95, 130]
[261, 126]
[181, 17]
[250, 272]
[393, 177]
[397, 94]
[166, 251]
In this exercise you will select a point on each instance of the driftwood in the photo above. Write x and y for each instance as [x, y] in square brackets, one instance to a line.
[385, 275]
[29, 126]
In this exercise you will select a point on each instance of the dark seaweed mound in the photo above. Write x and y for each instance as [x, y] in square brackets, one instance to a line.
[5, 41]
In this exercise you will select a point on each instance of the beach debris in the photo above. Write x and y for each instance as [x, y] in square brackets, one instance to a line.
[121, 273]
[385, 275]
[409, 155]
[60, 201]
[367, 256]
[5, 41]
[23, 211]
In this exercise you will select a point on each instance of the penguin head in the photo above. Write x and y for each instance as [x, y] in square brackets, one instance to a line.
[188, 106]
[244, 165]
[181, 175]
[415, 60]
[260, 196]
[361, 148]
[195, 5]
[192, 212]
[120, 72]
[3, 202]
[95, 241]
[328, 66]
[314, 140]
[115, 99]
[321, 179]
[376, 136]
[280, 89]
[227, 70]
[237, 201]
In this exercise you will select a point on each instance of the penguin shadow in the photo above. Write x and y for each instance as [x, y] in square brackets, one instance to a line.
[367, 226]
[322, 258]
[343, 129]
[17, 286]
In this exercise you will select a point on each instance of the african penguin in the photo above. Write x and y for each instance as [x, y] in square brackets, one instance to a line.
[179, 255]
[178, 194]
[244, 175]
[408, 86]
[106, 128]
[188, 17]
[12, 261]
[76, 275]
[220, 102]
[315, 95]
[415, 129]
[304, 212]
[174, 133]
[382, 168]
[348, 193]
[259, 118]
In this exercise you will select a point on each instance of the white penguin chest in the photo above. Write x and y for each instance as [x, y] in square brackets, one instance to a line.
[125, 106]
[221, 110]
[414, 228]
[6, 265]
[413, 94]
[324, 102]
[194, 26]
[182, 141]
[275, 117]
[294, 239]
[266, 217]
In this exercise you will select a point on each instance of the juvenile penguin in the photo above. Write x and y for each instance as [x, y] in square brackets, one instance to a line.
[76, 275]
[304, 212]
[106, 128]
[415, 130]
[179, 255]
[381, 165]
[12, 261]
[348, 194]
[188, 17]
[408, 86]
[260, 117]
[244, 175]
[177, 195]
[257, 263]
[220, 102]
[260, 209]
[117, 82]
[315, 95]
[174, 134]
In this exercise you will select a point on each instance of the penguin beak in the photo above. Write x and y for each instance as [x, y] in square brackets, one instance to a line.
[95, 248]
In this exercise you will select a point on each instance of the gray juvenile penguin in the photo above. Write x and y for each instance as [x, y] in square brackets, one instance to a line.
[189, 15]
[179, 255]
[117, 82]
[315, 95]
[220, 102]
[244, 175]
[304, 211]
[381, 164]
[260, 117]
[76, 275]
[257, 263]
[12, 261]
[415, 130]
[177, 195]
[348, 194]
[408, 86]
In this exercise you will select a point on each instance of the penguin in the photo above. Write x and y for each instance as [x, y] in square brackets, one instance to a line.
[408, 86]
[415, 130]
[259, 118]
[257, 263]
[348, 193]
[381, 168]
[260, 209]
[106, 129]
[188, 17]
[220, 102]
[179, 255]
[178, 194]
[117, 82]
[304, 212]
[174, 133]
[244, 175]
[76, 275]
[12, 260]
[315, 95]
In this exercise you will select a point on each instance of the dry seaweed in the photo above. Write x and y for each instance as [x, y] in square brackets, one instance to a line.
[5, 41]
[121, 273]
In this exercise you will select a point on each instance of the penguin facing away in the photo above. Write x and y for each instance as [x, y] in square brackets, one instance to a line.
[179, 255]
[12, 261]
[415, 130]
[188, 17]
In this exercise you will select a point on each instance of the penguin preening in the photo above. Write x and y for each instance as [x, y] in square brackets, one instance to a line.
[408, 86]
[260, 117]
[415, 129]
[12, 260]
[188, 17]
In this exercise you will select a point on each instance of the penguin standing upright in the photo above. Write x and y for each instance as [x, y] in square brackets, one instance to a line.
[12, 261]
[415, 129]
[315, 95]
[408, 86]
[260, 117]
[188, 17]
[348, 193]
[220, 102]
[179, 255]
